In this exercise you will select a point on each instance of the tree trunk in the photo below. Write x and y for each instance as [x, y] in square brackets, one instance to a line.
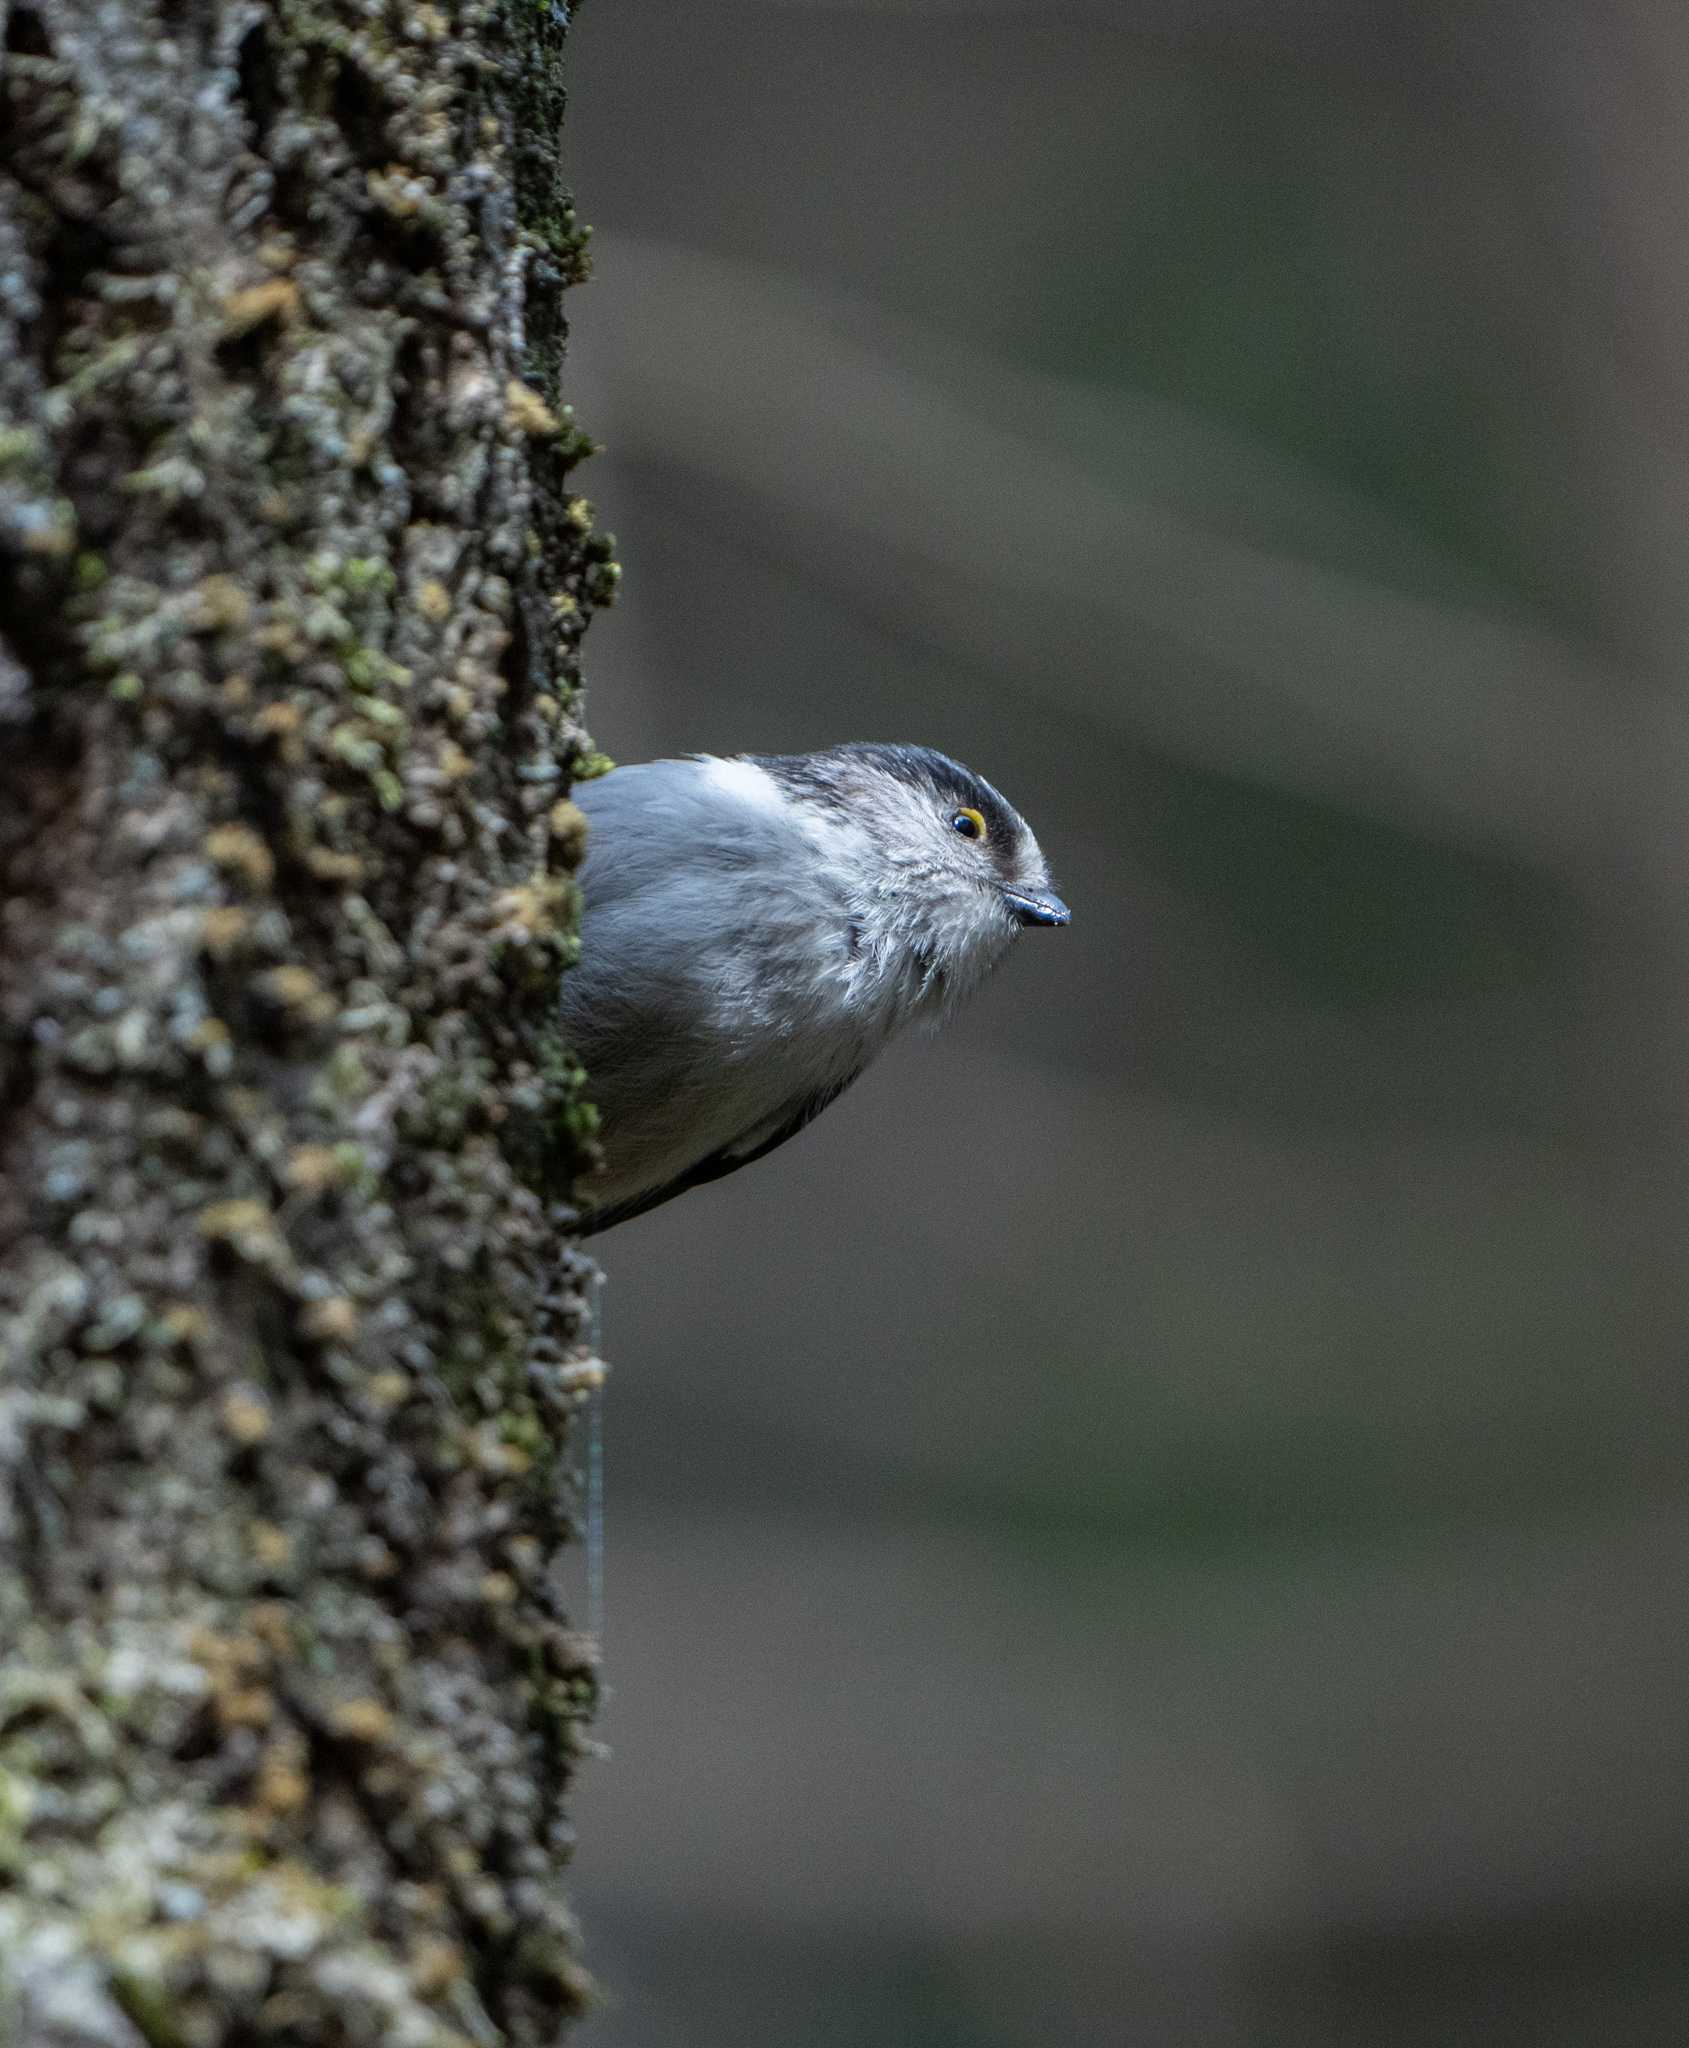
[291, 597]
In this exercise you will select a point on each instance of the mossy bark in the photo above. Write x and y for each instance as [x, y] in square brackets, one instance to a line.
[291, 594]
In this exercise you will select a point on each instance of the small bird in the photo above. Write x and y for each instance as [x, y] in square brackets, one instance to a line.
[757, 927]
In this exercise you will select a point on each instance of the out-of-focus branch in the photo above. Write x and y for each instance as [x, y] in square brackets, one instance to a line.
[1055, 572]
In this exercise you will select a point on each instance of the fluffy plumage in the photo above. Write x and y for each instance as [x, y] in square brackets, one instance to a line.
[757, 928]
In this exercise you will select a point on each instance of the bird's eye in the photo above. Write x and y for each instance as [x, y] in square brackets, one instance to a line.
[968, 822]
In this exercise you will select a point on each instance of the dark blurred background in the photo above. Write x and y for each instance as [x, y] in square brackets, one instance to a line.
[1164, 1518]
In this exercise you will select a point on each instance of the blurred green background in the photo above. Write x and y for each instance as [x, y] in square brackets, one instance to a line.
[1164, 1518]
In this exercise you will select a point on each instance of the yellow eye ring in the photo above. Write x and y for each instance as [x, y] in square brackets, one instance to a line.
[969, 822]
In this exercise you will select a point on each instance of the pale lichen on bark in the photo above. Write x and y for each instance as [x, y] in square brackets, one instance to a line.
[292, 588]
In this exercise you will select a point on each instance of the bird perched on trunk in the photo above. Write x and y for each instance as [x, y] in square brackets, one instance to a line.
[756, 928]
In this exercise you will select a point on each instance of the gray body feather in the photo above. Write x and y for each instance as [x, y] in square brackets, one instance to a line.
[754, 931]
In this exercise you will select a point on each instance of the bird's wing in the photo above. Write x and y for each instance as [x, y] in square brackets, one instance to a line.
[760, 1139]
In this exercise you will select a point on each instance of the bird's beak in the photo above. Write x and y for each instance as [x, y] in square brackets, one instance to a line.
[1025, 909]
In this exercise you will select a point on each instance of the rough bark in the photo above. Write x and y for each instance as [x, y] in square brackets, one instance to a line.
[291, 595]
